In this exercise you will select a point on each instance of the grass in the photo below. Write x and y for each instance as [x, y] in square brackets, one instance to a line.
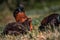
[36, 15]
[35, 34]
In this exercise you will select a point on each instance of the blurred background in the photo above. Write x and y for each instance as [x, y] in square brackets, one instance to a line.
[36, 9]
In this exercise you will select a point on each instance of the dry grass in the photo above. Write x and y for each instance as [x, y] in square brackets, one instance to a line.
[34, 34]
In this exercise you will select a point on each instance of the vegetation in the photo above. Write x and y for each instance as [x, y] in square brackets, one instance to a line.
[37, 10]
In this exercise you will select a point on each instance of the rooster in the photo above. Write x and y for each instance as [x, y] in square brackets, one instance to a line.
[20, 16]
